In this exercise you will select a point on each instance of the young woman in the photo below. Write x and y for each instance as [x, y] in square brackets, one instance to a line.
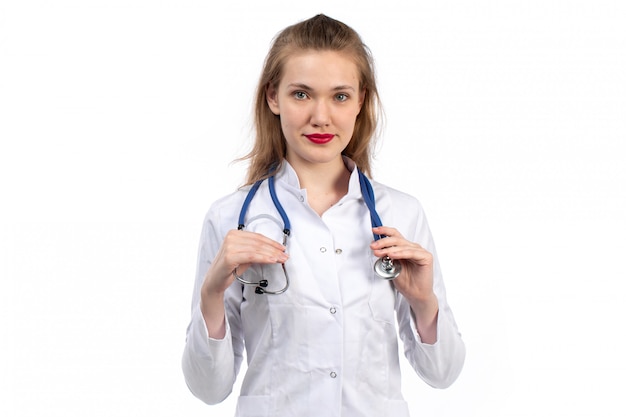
[290, 271]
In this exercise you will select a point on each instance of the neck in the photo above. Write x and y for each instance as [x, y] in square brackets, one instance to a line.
[325, 183]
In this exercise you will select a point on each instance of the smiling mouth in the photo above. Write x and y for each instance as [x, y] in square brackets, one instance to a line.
[320, 138]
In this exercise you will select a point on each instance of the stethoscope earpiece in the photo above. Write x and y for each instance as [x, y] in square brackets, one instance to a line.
[386, 269]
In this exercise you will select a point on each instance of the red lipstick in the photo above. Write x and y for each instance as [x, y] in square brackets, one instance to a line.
[320, 138]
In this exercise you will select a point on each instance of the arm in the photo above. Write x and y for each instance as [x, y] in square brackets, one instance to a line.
[432, 342]
[439, 363]
[214, 347]
[415, 281]
[210, 365]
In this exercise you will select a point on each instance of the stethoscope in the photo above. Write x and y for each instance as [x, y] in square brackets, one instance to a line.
[384, 267]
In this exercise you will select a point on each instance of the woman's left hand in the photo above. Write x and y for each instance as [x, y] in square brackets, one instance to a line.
[415, 281]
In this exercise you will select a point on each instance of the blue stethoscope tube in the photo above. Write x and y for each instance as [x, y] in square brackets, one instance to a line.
[384, 266]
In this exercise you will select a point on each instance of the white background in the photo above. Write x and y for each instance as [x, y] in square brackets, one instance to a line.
[118, 123]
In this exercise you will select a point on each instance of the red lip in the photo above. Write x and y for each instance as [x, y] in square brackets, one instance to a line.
[320, 138]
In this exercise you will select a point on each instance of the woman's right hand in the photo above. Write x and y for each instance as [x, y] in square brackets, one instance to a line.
[239, 250]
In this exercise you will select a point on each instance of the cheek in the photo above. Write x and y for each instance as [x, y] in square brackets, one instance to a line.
[288, 126]
[349, 120]
[285, 123]
[291, 118]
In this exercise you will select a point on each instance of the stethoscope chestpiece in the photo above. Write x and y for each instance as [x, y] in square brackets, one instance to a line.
[386, 269]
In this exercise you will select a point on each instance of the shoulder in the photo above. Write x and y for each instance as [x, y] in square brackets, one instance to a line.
[399, 209]
[395, 197]
[223, 213]
[229, 201]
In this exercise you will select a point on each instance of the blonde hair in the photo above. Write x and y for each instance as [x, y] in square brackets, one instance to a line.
[320, 33]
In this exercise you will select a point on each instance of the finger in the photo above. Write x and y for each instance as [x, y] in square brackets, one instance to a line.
[241, 247]
[239, 240]
[390, 241]
[243, 236]
[249, 253]
[417, 255]
[386, 231]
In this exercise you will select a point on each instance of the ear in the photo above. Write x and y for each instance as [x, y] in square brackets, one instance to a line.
[362, 98]
[271, 95]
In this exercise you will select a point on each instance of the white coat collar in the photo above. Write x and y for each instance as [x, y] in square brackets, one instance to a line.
[288, 178]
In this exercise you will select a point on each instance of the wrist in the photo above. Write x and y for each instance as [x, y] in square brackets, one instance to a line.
[425, 312]
[423, 301]
[425, 308]
[214, 314]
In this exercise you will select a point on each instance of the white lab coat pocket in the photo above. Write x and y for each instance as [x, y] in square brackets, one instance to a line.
[253, 406]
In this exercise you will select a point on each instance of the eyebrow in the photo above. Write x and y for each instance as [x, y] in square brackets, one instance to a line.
[306, 87]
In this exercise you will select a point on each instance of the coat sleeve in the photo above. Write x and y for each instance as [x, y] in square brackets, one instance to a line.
[210, 366]
[438, 364]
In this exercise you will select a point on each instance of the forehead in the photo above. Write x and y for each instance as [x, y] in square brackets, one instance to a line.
[321, 68]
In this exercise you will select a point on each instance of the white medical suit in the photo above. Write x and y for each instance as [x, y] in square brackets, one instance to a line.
[328, 346]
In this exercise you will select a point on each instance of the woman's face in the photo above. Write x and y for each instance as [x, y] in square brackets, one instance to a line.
[318, 100]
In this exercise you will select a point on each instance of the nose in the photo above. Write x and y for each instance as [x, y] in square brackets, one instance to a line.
[320, 114]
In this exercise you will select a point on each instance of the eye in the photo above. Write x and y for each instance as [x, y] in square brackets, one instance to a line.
[300, 95]
[341, 97]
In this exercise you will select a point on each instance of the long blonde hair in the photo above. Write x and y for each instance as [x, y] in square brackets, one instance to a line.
[320, 33]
